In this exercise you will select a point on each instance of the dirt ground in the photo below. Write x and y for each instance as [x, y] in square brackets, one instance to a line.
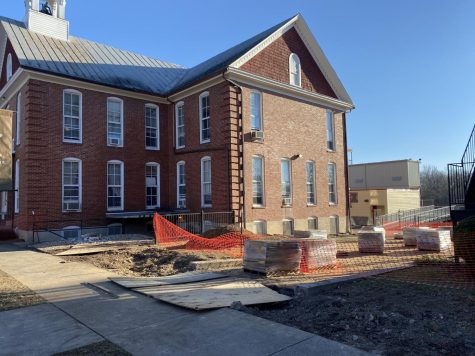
[145, 261]
[385, 317]
[14, 295]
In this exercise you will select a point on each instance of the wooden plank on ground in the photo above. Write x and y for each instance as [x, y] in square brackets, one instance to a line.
[188, 277]
[83, 251]
[215, 294]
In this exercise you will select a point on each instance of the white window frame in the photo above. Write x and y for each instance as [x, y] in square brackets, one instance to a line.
[122, 181]
[203, 183]
[314, 202]
[17, 187]
[334, 184]
[256, 92]
[157, 146]
[178, 184]
[9, 68]
[282, 180]
[157, 166]
[78, 93]
[202, 95]
[330, 119]
[121, 102]
[261, 158]
[179, 105]
[18, 120]
[264, 222]
[71, 159]
[294, 61]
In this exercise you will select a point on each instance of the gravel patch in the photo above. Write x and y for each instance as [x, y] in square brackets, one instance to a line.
[15, 295]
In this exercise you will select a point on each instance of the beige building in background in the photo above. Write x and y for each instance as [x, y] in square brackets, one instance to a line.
[383, 188]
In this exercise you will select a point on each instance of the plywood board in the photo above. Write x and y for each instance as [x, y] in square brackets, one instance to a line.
[215, 294]
[83, 251]
[189, 277]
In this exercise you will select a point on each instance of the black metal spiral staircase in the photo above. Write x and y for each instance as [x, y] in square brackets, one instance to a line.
[461, 180]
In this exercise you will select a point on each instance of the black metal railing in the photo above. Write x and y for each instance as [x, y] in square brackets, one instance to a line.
[198, 223]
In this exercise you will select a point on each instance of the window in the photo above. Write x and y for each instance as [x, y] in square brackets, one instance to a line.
[206, 182]
[9, 67]
[294, 70]
[18, 119]
[312, 223]
[17, 186]
[152, 185]
[115, 122]
[72, 116]
[311, 197]
[72, 177]
[353, 197]
[261, 227]
[205, 127]
[72, 232]
[180, 185]
[286, 184]
[330, 131]
[256, 111]
[257, 181]
[152, 133]
[332, 183]
[115, 185]
[180, 125]
[287, 227]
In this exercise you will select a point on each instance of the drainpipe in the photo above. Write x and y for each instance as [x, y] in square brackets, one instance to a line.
[243, 192]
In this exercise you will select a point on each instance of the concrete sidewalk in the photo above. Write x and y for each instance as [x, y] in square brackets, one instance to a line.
[144, 326]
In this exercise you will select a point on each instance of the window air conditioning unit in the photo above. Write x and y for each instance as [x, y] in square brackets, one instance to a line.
[257, 135]
[286, 201]
[114, 141]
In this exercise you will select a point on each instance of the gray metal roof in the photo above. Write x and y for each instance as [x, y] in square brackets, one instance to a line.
[98, 63]
[91, 61]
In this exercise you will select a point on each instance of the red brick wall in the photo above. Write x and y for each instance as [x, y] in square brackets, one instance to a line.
[291, 128]
[41, 153]
[273, 62]
[15, 64]
[194, 151]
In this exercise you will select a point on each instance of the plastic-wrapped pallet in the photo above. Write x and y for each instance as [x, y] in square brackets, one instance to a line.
[318, 234]
[371, 241]
[409, 235]
[374, 228]
[433, 240]
[318, 253]
[272, 256]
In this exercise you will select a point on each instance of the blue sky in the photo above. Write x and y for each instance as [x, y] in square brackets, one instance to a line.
[408, 65]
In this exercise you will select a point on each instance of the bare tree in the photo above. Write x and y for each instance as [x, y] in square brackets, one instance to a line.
[434, 186]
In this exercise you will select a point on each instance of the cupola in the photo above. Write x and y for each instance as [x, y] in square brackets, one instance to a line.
[47, 17]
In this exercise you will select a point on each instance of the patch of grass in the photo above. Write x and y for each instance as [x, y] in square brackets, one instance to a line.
[103, 348]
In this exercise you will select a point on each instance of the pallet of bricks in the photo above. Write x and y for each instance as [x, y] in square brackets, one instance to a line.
[293, 255]
[426, 239]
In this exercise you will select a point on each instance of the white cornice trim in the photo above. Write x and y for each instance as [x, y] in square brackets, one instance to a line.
[202, 86]
[263, 44]
[10, 89]
[288, 90]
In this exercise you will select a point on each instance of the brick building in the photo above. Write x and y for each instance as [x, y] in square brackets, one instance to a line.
[98, 132]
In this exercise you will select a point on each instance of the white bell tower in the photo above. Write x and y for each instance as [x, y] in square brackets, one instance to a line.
[47, 18]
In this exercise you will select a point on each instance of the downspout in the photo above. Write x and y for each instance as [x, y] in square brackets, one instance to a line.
[347, 191]
[242, 182]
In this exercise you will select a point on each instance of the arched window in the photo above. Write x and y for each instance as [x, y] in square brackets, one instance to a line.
[295, 70]
[72, 184]
[206, 191]
[18, 119]
[9, 67]
[152, 185]
[258, 180]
